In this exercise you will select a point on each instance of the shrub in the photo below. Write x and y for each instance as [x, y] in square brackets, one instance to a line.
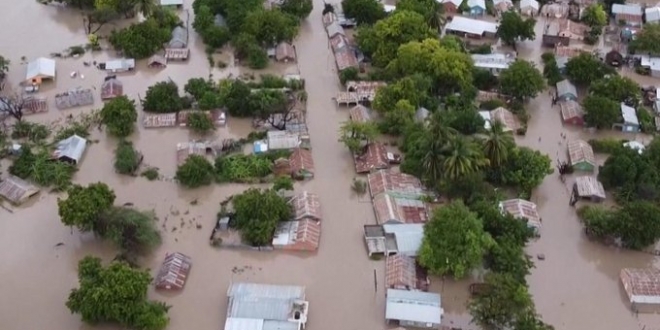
[195, 172]
[242, 168]
[151, 173]
[606, 146]
[283, 182]
[200, 122]
[127, 159]
[32, 131]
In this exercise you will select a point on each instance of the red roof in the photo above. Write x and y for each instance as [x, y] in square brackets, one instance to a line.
[373, 157]
[306, 236]
[301, 160]
[174, 272]
[360, 114]
[642, 285]
[393, 181]
[400, 272]
[306, 205]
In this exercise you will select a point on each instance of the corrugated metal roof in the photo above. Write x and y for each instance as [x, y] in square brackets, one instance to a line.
[471, 26]
[72, 148]
[279, 325]
[629, 115]
[415, 306]
[408, 237]
[629, 9]
[642, 285]
[565, 87]
[652, 14]
[234, 323]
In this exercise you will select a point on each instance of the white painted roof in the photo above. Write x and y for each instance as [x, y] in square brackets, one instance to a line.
[529, 3]
[171, 2]
[472, 26]
[629, 114]
[652, 14]
[389, 8]
[408, 237]
[477, 3]
[497, 61]
[630, 9]
[41, 68]
[413, 306]
[72, 147]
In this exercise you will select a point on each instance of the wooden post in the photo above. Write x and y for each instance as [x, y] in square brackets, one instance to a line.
[375, 281]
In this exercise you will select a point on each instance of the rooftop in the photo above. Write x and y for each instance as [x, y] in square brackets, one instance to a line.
[391, 209]
[157, 120]
[303, 235]
[301, 159]
[642, 285]
[496, 61]
[71, 149]
[173, 274]
[626, 9]
[589, 186]
[506, 117]
[413, 306]
[360, 113]
[306, 205]
[580, 151]
[565, 87]
[400, 272]
[570, 109]
[17, 190]
[395, 183]
[408, 237]
[471, 26]
[522, 209]
[373, 157]
[629, 114]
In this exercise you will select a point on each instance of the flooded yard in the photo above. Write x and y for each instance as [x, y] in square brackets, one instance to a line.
[575, 288]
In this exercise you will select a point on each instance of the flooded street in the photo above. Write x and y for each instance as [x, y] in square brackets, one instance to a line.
[575, 288]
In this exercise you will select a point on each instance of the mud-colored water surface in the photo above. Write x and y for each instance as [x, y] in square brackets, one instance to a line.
[575, 288]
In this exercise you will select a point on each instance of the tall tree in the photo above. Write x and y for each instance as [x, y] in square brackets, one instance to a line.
[439, 135]
[586, 68]
[258, 224]
[195, 172]
[617, 88]
[514, 28]
[498, 144]
[4, 67]
[505, 301]
[647, 41]
[595, 16]
[297, 8]
[454, 241]
[601, 112]
[270, 27]
[84, 205]
[356, 135]
[162, 97]
[119, 116]
[462, 157]
[521, 80]
[366, 12]
[526, 169]
[116, 294]
[430, 9]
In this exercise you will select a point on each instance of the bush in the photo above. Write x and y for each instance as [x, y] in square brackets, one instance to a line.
[140, 40]
[127, 159]
[257, 58]
[151, 173]
[258, 224]
[75, 128]
[195, 172]
[607, 146]
[32, 131]
[162, 97]
[283, 182]
[42, 170]
[119, 116]
[200, 122]
[242, 168]
[548, 57]
[348, 75]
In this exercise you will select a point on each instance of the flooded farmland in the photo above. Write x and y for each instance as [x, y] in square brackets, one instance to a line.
[575, 288]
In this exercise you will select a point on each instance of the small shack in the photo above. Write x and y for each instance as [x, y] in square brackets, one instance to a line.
[179, 38]
[16, 190]
[477, 7]
[173, 274]
[588, 188]
[403, 273]
[581, 156]
[70, 150]
[186, 149]
[642, 286]
[571, 113]
[413, 309]
[118, 65]
[158, 120]
[157, 61]
[281, 140]
[302, 164]
[177, 54]
[506, 117]
[285, 52]
[40, 69]
[74, 98]
[630, 123]
[566, 91]
[359, 113]
[372, 158]
[34, 105]
[111, 88]
[524, 210]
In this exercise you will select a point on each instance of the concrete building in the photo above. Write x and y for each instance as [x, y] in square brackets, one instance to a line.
[414, 308]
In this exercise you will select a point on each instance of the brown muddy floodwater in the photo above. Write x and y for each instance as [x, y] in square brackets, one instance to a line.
[575, 288]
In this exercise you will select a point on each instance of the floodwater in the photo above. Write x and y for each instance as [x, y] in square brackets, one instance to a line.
[575, 287]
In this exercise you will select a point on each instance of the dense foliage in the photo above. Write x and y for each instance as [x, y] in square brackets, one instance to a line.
[195, 172]
[162, 97]
[127, 159]
[647, 41]
[116, 294]
[200, 122]
[258, 224]
[141, 40]
[636, 224]
[41, 168]
[521, 80]
[514, 28]
[242, 168]
[363, 11]
[84, 205]
[119, 116]
[586, 68]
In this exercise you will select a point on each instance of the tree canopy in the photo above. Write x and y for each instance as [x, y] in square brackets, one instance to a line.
[595, 16]
[504, 302]
[363, 11]
[195, 172]
[141, 40]
[119, 116]
[601, 112]
[84, 205]
[525, 168]
[382, 40]
[454, 241]
[514, 28]
[258, 224]
[617, 88]
[199, 122]
[297, 8]
[637, 223]
[586, 68]
[355, 135]
[271, 27]
[162, 97]
[521, 80]
[116, 294]
[647, 40]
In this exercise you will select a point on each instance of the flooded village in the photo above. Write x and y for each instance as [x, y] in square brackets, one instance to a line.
[354, 239]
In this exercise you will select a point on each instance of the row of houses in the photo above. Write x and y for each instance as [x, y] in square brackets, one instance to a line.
[162, 120]
[303, 232]
[345, 52]
[478, 7]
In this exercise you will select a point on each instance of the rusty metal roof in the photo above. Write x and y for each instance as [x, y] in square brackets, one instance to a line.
[589, 186]
[580, 151]
[304, 235]
[642, 285]
[17, 190]
[373, 158]
[158, 120]
[390, 209]
[360, 114]
[173, 274]
[301, 160]
[522, 209]
[570, 109]
[400, 272]
[306, 205]
[506, 117]
[393, 182]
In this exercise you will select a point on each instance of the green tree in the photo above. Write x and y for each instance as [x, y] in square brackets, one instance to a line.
[620, 169]
[454, 241]
[501, 226]
[116, 294]
[4, 67]
[526, 169]
[146, 7]
[355, 135]
[462, 157]
[412, 89]
[200, 122]
[601, 112]
[209, 101]
[297, 8]
[637, 224]
[498, 144]
[236, 99]
[127, 159]
[595, 16]
[383, 39]
[119, 116]
[616, 88]
[84, 205]
[162, 97]
[133, 231]
[514, 28]
[258, 224]
[140, 40]
[484, 80]
[271, 27]
[521, 80]
[197, 87]
[434, 148]
[467, 121]
[430, 9]
[586, 68]
[195, 172]
[503, 303]
[647, 40]
[365, 12]
[283, 182]
[397, 119]
[508, 257]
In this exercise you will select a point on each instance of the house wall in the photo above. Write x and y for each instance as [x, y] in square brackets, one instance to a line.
[584, 166]
[628, 128]
[419, 325]
[577, 121]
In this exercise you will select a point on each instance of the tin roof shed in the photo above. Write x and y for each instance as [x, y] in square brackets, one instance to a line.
[304, 235]
[589, 187]
[522, 209]
[179, 38]
[581, 155]
[400, 272]
[395, 183]
[17, 190]
[41, 68]
[566, 90]
[506, 117]
[408, 237]
[173, 274]
[302, 163]
[414, 307]
[278, 140]
[373, 157]
[390, 209]
[71, 149]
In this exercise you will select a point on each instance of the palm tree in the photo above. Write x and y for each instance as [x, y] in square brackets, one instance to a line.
[462, 158]
[498, 144]
[439, 135]
[146, 7]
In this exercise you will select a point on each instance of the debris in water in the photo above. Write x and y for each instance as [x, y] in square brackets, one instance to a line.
[173, 229]
[194, 202]
[59, 244]
[199, 226]
[128, 204]
[186, 213]
[540, 256]
[176, 239]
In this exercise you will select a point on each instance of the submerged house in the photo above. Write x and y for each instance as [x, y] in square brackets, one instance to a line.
[524, 210]
[529, 7]
[16, 190]
[301, 164]
[306, 206]
[493, 63]
[178, 4]
[630, 123]
[407, 237]
[111, 88]
[413, 309]
[566, 91]
[360, 114]
[187, 149]
[403, 273]
[70, 150]
[642, 286]
[159, 120]
[74, 98]
[174, 271]
[39, 70]
[588, 187]
[581, 156]
[471, 28]
[266, 306]
[506, 117]
[571, 113]
[629, 14]
[303, 235]
[477, 7]
[451, 6]
[179, 38]
[285, 52]
[282, 140]
[390, 209]
[373, 157]
[118, 65]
